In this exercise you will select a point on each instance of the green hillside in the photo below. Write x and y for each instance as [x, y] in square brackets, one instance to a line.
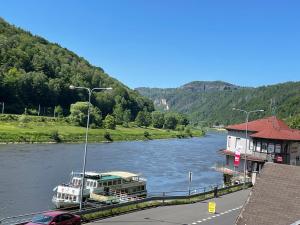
[35, 72]
[213, 104]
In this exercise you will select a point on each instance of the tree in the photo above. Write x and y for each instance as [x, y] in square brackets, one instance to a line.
[118, 113]
[126, 117]
[58, 111]
[143, 118]
[110, 122]
[170, 121]
[79, 112]
[158, 119]
[182, 119]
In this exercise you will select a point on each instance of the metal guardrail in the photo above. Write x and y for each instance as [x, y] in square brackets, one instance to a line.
[154, 196]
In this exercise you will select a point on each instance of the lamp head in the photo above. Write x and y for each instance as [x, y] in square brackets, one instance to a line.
[72, 87]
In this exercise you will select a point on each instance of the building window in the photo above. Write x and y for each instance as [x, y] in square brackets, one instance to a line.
[237, 143]
[278, 148]
[271, 148]
[228, 141]
[258, 146]
[264, 147]
[251, 145]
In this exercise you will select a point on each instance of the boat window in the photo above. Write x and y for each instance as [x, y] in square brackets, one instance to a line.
[114, 182]
[58, 194]
[95, 184]
[143, 188]
[62, 195]
[74, 198]
[119, 181]
[88, 183]
[104, 183]
[109, 183]
[99, 184]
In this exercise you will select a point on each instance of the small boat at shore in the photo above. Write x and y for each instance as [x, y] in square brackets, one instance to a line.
[107, 187]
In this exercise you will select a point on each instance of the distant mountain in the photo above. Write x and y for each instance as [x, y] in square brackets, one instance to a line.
[200, 86]
[35, 72]
[211, 102]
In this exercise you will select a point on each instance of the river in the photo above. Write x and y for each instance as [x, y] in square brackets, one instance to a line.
[28, 173]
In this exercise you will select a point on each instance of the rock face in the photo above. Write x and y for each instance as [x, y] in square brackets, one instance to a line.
[161, 103]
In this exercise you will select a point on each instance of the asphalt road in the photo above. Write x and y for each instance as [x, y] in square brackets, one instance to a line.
[227, 209]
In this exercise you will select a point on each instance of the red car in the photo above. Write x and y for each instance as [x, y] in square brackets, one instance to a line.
[55, 218]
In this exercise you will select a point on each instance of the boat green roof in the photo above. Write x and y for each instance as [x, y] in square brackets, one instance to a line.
[109, 177]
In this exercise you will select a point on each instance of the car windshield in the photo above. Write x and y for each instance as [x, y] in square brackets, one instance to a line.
[42, 219]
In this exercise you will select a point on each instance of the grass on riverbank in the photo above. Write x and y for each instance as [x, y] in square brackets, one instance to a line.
[47, 129]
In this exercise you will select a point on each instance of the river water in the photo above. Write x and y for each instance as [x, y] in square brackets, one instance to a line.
[28, 173]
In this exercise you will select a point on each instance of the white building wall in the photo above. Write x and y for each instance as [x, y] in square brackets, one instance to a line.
[236, 140]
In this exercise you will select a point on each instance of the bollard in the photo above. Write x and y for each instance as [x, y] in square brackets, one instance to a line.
[216, 192]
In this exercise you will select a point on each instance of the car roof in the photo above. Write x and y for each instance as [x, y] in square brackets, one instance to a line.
[54, 213]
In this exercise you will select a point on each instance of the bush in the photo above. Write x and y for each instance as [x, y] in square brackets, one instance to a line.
[24, 119]
[79, 112]
[55, 136]
[107, 136]
[110, 122]
[146, 134]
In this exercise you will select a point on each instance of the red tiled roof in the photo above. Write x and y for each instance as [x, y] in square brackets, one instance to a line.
[268, 128]
[261, 124]
[292, 135]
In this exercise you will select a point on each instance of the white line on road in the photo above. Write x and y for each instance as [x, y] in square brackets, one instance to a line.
[211, 217]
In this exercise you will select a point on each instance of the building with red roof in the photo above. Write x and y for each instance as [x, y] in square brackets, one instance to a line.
[269, 140]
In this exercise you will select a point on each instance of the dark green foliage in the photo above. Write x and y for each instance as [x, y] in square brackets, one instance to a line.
[294, 122]
[158, 119]
[207, 103]
[147, 134]
[107, 136]
[55, 136]
[170, 121]
[36, 72]
[79, 112]
[110, 122]
[143, 119]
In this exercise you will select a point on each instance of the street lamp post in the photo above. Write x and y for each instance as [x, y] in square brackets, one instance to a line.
[246, 135]
[90, 91]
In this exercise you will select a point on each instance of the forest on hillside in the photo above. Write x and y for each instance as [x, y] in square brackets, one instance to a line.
[36, 74]
[214, 106]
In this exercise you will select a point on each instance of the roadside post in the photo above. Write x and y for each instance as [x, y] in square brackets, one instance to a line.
[190, 181]
[212, 207]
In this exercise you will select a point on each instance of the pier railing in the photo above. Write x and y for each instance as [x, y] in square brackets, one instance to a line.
[97, 210]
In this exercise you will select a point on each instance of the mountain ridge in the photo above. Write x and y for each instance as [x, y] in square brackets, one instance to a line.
[214, 106]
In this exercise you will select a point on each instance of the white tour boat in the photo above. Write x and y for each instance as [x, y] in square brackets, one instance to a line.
[105, 187]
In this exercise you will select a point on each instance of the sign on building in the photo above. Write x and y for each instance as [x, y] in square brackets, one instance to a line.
[237, 156]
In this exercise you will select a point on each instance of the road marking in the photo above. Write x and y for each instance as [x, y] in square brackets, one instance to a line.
[214, 216]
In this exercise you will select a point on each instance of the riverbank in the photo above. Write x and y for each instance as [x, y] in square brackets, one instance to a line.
[51, 130]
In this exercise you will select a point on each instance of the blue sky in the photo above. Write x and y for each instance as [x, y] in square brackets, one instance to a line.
[164, 43]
